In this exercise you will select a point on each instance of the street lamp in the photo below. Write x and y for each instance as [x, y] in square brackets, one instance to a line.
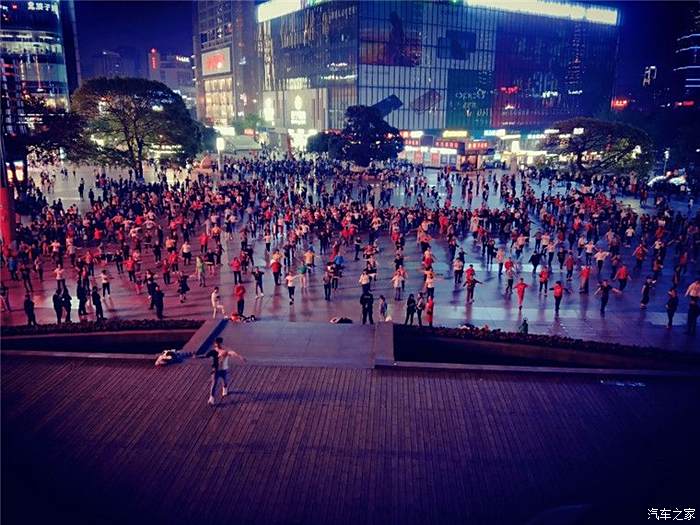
[220, 145]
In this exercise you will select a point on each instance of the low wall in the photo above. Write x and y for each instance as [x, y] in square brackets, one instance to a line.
[425, 347]
[130, 342]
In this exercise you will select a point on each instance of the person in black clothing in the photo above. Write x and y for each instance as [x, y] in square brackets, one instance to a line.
[327, 280]
[157, 300]
[58, 305]
[367, 302]
[97, 303]
[65, 300]
[29, 310]
[410, 309]
[82, 293]
[604, 289]
[258, 276]
[693, 313]
[671, 305]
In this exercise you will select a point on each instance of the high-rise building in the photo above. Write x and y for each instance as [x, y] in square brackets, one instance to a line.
[687, 68]
[226, 64]
[465, 67]
[38, 58]
[110, 64]
[175, 71]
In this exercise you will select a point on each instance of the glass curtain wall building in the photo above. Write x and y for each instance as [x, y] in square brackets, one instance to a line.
[33, 59]
[441, 65]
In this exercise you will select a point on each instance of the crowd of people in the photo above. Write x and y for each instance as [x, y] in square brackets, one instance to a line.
[319, 221]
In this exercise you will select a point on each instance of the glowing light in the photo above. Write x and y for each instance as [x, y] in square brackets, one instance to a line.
[277, 8]
[596, 15]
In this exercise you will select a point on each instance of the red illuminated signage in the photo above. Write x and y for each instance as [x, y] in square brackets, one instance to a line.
[685, 104]
[510, 90]
[619, 103]
[216, 62]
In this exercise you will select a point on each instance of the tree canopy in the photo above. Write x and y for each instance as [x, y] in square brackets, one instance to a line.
[600, 146]
[128, 119]
[365, 137]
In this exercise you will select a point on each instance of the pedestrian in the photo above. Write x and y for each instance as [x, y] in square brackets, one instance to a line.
[289, 279]
[216, 305]
[646, 291]
[29, 310]
[105, 280]
[420, 306]
[97, 304]
[57, 305]
[219, 367]
[671, 305]
[520, 291]
[158, 301]
[604, 289]
[367, 302]
[429, 310]
[182, 286]
[258, 277]
[693, 313]
[383, 307]
[239, 294]
[410, 309]
[558, 290]
[327, 280]
[66, 302]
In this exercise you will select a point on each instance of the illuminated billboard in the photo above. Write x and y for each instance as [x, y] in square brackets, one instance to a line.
[216, 62]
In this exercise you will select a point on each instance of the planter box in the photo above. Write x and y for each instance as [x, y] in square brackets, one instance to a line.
[413, 346]
[130, 342]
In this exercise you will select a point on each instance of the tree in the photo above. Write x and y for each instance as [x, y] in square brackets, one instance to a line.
[365, 137]
[250, 121]
[127, 118]
[600, 146]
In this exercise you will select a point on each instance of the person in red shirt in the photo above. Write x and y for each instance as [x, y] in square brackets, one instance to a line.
[520, 290]
[544, 279]
[236, 268]
[622, 276]
[558, 290]
[203, 242]
[239, 294]
[584, 275]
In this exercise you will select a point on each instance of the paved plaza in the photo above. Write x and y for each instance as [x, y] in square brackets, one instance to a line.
[579, 316]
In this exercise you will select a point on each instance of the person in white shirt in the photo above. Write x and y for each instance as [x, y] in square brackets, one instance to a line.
[216, 305]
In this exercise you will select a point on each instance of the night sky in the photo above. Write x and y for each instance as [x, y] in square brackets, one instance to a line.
[648, 35]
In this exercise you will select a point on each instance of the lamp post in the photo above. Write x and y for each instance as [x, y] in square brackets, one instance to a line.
[220, 145]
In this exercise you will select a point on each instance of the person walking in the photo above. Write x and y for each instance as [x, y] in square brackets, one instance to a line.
[327, 280]
[410, 309]
[219, 367]
[367, 302]
[182, 286]
[29, 310]
[105, 280]
[66, 302]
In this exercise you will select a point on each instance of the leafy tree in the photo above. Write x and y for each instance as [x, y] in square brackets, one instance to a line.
[127, 117]
[250, 121]
[365, 137]
[600, 146]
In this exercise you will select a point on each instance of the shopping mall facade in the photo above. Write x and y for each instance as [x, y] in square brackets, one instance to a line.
[456, 77]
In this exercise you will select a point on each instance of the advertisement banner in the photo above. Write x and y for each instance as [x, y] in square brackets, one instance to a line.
[469, 99]
[216, 62]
